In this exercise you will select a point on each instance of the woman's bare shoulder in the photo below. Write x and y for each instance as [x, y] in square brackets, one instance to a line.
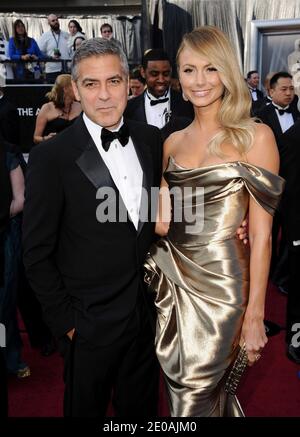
[173, 142]
[47, 108]
[264, 151]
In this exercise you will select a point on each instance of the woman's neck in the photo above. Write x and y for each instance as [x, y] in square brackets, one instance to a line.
[67, 109]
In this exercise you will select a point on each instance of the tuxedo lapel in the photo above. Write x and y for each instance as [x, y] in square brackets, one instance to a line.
[274, 122]
[140, 109]
[295, 114]
[94, 168]
[92, 165]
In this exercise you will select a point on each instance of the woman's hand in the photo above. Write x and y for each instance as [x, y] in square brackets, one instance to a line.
[25, 57]
[242, 231]
[47, 137]
[254, 337]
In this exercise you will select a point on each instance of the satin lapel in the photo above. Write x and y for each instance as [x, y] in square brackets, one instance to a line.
[93, 166]
[145, 158]
[295, 114]
[275, 125]
[141, 112]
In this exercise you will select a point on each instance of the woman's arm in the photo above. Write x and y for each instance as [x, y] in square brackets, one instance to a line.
[40, 124]
[36, 50]
[12, 51]
[264, 153]
[164, 202]
[18, 187]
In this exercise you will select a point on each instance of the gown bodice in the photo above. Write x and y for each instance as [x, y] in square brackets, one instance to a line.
[210, 203]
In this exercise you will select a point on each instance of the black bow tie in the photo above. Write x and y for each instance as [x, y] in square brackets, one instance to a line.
[107, 136]
[156, 102]
[282, 111]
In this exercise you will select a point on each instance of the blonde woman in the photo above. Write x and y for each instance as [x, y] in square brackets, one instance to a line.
[210, 287]
[59, 112]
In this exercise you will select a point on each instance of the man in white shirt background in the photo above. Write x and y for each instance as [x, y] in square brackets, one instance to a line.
[54, 44]
[158, 104]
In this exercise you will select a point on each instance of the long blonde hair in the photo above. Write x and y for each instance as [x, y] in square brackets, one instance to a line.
[237, 127]
[56, 95]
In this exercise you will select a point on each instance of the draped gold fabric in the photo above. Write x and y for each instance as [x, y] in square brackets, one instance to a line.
[201, 276]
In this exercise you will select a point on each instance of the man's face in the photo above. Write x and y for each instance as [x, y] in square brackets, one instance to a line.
[53, 22]
[102, 89]
[106, 33]
[253, 80]
[284, 92]
[158, 77]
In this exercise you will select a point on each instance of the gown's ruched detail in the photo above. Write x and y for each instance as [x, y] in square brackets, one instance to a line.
[201, 281]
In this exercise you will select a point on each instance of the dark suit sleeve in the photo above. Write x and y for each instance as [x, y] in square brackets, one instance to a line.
[10, 124]
[43, 210]
[135, 109]
[5, 199]
[289, 170]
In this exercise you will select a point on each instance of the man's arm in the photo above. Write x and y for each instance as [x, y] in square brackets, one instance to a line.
[43, 209]
[42, 44]
[10, 123]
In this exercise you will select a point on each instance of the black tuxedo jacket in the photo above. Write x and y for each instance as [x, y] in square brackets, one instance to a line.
[288, 144]
[9, 121]
[268, 116]
[5, 199]
[259, 94]
[86, 274]
[135, 109]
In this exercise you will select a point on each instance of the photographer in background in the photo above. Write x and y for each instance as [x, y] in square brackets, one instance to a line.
[23, 48]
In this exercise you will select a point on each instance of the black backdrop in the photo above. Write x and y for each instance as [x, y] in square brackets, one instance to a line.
[28, 99]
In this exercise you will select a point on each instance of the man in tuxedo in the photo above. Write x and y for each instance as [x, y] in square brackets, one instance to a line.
[5, 200]
[82, 259]
[280, 115]
[252, 82]
[289, 169]
[159, 104]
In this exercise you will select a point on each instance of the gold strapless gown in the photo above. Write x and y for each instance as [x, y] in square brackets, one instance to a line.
[201, 277]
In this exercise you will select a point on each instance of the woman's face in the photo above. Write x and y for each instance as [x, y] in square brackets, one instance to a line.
[72, 28]
[20, 29]
[199, 79]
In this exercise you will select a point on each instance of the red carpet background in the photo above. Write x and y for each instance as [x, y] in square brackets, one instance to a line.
[271, 388]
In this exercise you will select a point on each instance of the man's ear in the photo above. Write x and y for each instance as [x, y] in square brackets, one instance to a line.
[75, 90]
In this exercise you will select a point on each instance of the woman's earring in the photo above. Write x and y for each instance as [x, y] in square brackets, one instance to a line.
[184, 97]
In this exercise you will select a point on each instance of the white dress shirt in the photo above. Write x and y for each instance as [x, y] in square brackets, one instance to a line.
[159, 114]
[48, 42]
[286, 120]
[253, 93]
[124, 167]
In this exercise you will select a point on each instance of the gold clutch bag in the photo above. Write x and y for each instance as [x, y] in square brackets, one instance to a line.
[236, 371]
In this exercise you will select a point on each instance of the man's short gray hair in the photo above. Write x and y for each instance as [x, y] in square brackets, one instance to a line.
[98, 47]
